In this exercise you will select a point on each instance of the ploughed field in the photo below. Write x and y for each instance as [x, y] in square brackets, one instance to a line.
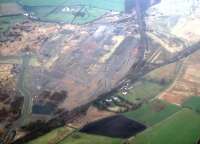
[187, 83]
[115, 126]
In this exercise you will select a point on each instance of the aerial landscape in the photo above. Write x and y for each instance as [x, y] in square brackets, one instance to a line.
[99, 72]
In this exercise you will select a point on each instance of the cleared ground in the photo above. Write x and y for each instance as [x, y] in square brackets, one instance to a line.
[153, 112]
[181, 128]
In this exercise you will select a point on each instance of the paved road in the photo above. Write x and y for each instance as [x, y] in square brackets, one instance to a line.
[21, 84]
[25, 60]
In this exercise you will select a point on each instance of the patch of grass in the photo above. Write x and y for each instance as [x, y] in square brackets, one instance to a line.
[153, 83]
[53, 136]
[42, 11]
[9, 21]
[92, 14]
[193, 103]
[41, 2]
[51, 10]
[153, 112]
[166, 73]
[7, 1]
[143, 90]
[181, 128]
[117, 5]
[81, 138]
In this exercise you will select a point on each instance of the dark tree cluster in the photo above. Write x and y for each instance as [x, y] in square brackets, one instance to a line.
[56, 97]
[59, 96]
[3, 96]
[16, 104]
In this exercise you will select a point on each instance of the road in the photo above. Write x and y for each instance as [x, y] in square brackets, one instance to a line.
[21, 84]
[25, 60]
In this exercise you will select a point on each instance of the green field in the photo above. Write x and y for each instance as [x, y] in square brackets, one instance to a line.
[166, 73]
[59, 16]
[153, 83]
[7, 1]
[51, 10]
[52, 14]
[143, 90]
[181, 128]
[153, 112]
[53, 136]
[117, 5]
[9, 21]
[41, 2]
[193, 103]
[81, 138]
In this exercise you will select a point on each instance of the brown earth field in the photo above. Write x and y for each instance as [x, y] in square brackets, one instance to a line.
[187, 83]
[92, 114]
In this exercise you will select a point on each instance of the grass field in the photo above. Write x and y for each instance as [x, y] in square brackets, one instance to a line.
[117, 5]
[59, 16]
[167, 73]
[9, 21]
[153, 83]
[153, 112]
[53, 136]
[41, 2]
[193, 103]
[81, 138]
[52, 14]
[181, 128]
[143, 90]
[51, 10]
[7, 1]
